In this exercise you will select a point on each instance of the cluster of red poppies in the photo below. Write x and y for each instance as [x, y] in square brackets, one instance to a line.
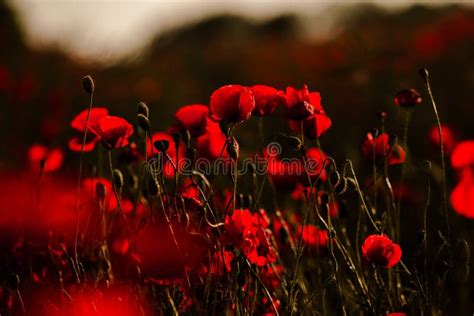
[189, 242]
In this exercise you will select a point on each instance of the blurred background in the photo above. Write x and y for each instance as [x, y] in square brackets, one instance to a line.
[169, 54]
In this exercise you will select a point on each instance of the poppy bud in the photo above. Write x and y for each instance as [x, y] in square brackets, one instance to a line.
[100, 191]
[142, 108]
[153, 188]
[88, 84]
[143, 122]
[424, 74]
[427, 166]
[176, 138]
[233, 148]
[407, 98]
[294, 142]
[118, 179]
[162, 145]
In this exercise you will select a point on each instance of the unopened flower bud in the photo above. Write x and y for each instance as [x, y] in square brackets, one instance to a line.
[118, 179]
[88, 84]
[162, 145]
[142, 108]
[144, 122]
[176, 138]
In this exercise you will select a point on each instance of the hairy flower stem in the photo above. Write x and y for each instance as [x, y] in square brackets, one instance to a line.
[78, 193]
[441, 147]
[402, 176]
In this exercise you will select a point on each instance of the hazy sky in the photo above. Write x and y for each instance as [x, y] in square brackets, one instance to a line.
[110, 29]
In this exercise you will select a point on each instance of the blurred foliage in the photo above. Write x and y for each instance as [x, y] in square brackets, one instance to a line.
[374, 54]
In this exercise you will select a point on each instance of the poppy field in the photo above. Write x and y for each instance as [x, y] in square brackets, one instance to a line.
[250, 200]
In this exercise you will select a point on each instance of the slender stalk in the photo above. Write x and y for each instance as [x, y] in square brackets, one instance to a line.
[425, 76]
[81, 158]
[402, 176]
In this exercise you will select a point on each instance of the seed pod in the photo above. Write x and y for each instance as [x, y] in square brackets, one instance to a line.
[88, 84]
[143, 122]
[142, 108]
[118, 179]
[162, 145]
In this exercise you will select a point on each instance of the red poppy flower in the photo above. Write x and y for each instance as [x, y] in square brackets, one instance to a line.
[313, 236]
[284, 174]
[381, 147]
[113, 131]
[407, 98]
[315, 159]
[463, 154]
[176, 156]
[193, 118]
[313, 127]
[271, 276]
[238, 224]
[462, 196]
[232, 103]
[79, 125]
[267, 99]
[51, 159]
[258, 249]
[449, 137]
[380, 250]
[301, 104]
[210, 145]
[244, 232]
[221, 260]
